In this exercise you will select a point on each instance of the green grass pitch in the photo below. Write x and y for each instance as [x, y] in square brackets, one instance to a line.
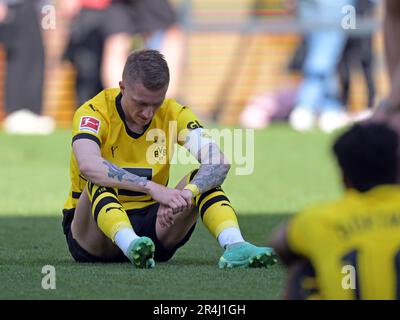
[291, 171]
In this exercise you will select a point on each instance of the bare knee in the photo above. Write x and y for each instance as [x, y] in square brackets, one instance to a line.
[86, 232]
[183, 222]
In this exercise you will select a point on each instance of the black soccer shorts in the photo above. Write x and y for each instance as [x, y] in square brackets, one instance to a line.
[144, 224]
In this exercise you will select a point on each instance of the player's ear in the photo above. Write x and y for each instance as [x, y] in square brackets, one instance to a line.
[122, 87]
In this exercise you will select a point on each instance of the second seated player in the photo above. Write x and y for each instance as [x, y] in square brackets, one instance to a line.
[119, 207]
[349, 248]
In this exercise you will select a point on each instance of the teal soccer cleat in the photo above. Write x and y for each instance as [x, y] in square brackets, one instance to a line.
[247, 255]
[141, 253]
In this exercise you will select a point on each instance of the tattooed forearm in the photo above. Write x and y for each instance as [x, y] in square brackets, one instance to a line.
[213, 169]
[115, 172]
[210, 176]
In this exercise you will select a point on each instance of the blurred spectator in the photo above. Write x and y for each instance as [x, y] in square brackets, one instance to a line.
[392, 50]
[148, 18]
[156, 22]
[267, 107]
[358, 53]
[389, 109]
[101, 38]
[91, 24]
[21, 36]
[319, 92]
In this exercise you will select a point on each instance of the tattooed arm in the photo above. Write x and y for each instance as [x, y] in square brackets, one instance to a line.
[121, 175]
[102, 172]
[213, 169]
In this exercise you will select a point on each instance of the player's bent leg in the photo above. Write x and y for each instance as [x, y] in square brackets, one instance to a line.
[112, 219]
[220, 219]
[100, 223]
[86, 232]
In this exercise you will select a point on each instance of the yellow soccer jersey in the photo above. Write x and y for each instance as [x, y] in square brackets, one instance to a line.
[353, 244]
[102, 120]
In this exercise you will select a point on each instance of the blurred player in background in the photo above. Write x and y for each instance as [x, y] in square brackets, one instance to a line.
[102, 34]
[360, 232]
[21, 35]
[158, 23]
[392, 46]
[318, 99]
[89, 27]
[389, 109]
[119, 207]
[359, 54]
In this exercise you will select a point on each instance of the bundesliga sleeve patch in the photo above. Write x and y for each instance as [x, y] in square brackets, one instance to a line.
[89, 124]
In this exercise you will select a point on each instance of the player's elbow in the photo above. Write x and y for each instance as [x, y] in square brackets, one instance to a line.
[227, 168]
[89, 172]
[84, 168]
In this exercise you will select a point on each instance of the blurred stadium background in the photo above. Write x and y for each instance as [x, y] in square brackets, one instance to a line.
[234, 50]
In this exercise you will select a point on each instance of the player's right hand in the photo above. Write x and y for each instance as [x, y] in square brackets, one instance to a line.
[165, 216]
[171, 198]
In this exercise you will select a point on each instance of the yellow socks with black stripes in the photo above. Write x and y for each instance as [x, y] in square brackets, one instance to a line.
[219, 217]
[214, 207]
[110, 216]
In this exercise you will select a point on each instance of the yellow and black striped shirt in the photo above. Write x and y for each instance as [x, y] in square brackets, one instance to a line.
[102, 120]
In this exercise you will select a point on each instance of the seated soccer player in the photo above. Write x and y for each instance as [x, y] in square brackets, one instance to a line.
[119, 207]
[350, 248]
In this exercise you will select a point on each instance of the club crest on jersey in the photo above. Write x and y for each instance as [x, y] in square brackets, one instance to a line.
[89, 124]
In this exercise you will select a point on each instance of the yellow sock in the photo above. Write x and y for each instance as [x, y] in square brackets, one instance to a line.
[215, 210]
[107, 211]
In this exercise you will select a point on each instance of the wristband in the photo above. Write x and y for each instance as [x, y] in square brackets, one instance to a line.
[193, 188]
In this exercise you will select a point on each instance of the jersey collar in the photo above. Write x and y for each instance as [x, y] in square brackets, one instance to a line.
[121, 113]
